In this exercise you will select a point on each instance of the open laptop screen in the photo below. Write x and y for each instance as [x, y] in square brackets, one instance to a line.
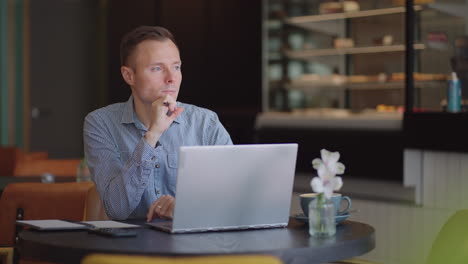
[234, 187]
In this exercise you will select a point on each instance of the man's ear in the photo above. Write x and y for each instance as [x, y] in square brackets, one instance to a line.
[128, 75]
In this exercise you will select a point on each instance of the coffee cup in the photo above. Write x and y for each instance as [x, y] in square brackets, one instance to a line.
[336, 198]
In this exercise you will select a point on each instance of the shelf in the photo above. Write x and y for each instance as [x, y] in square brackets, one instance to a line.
[339, 16]
[331, 119]
[304, 54]
[331, 24]
[307, 85]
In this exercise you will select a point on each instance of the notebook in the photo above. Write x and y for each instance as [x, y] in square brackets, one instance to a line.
[232, 187]
[57, 224]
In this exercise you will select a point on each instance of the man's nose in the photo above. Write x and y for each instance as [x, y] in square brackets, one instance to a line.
[169, 77]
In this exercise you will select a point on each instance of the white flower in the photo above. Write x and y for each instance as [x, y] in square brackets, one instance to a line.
[327, 169]
[328, 166]
[326, 186]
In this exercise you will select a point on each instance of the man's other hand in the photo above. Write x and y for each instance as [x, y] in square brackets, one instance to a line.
[162, 208]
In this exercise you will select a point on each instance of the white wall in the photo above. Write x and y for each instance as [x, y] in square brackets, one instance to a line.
[404, 233]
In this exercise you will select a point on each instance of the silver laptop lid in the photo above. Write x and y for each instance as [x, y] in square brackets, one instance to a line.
[234, 187]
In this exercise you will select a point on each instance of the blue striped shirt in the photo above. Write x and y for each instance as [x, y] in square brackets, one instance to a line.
[130, 174]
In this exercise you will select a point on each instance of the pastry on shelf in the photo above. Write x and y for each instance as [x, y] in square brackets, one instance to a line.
[331, 7]
[385, 40]
[389, 108]
[350, 6]
[381, 77]
[343, 43]
[317, 79]
[400, 76]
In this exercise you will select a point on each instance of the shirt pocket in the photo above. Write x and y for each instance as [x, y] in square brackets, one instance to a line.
[172, 164]
[173, 161]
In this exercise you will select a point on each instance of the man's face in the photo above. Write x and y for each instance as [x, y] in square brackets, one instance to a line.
[154, 70]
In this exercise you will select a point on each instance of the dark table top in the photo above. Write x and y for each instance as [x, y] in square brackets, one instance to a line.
[292, 244]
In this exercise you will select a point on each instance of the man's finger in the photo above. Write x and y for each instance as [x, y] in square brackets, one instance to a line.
[176, 113]
[167, 213]
[150, 213]
[167, 209]
[169, 102]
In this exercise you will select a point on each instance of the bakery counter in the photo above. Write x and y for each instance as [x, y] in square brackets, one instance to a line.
[371, 144]
[439, 131]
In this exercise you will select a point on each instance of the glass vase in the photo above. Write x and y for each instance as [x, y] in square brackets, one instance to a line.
[322, 217]
[83, 173]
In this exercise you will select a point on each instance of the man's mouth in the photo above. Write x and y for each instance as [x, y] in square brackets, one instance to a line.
[168, 91]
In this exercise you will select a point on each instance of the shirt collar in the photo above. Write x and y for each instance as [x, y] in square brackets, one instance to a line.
[129, 115]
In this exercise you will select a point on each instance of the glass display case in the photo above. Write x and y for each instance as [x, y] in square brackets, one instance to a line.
[343, 63]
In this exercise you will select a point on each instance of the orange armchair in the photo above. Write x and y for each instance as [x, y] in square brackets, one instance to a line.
[8, 157]
[30, 201]
[57, 167]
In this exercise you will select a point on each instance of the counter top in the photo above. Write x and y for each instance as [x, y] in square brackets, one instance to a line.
[364, 189]
[331, 119]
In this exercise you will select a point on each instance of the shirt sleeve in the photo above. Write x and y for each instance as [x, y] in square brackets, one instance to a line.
[120, 184]
[215, 133]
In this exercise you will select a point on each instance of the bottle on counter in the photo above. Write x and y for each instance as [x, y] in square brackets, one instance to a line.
[454, 95]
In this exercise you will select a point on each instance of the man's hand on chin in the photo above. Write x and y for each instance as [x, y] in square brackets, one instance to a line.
[163, 112]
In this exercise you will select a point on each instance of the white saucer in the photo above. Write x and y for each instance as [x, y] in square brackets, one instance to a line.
[305, 219]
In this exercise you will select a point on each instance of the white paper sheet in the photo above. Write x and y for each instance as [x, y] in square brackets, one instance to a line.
[51, 224]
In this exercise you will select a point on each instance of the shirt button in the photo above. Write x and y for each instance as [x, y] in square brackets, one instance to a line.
[144, 184]
[153, 158]
[158, 192]
[157, 166]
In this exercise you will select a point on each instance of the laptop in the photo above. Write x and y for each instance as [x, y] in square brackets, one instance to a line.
[232, 187]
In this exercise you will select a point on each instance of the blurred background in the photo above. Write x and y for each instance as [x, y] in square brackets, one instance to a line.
[372, 79]
[359, 77]
[60, 60]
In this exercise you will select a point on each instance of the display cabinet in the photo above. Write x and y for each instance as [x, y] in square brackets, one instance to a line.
[353, 76]
[345, 60]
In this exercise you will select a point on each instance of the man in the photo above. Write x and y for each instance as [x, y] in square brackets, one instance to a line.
[132, 148]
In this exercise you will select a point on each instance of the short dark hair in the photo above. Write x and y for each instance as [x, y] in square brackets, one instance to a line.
[140, 34]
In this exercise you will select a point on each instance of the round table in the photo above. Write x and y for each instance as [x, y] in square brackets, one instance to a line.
[291, 244]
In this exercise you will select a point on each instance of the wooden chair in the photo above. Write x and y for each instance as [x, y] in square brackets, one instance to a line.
[94, 209]
[11, 156]
[57, 167]
[228, 259]
[32, 201]
[451, 244]
[29, 156]
[8, 157]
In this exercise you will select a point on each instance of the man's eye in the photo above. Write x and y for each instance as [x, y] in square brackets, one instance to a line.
[155, 68]
[177, 67]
